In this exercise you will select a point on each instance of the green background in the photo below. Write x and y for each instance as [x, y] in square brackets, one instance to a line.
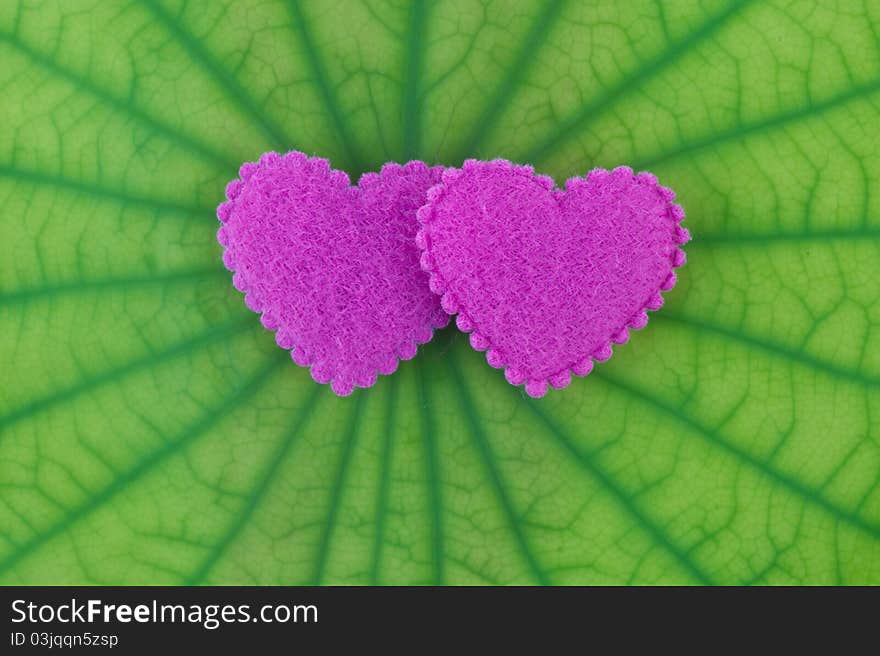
[151, 431]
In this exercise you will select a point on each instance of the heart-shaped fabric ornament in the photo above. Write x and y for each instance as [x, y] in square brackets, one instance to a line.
[546, 279]
[332, 268]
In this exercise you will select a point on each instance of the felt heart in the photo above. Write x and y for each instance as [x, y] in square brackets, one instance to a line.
[332, 268]
[545, 279]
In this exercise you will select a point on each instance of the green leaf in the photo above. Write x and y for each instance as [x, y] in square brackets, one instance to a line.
[151, 431]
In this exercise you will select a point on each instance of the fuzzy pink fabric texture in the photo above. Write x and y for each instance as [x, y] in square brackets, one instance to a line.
[333, 268]
[545, 279]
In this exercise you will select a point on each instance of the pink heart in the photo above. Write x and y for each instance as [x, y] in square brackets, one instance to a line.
[332, 268]
[545, 279]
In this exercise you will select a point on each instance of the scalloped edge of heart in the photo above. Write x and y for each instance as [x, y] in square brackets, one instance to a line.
[406, 350]
[582, 366]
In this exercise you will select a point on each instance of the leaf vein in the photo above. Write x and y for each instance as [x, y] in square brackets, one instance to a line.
[657, 533]
[168, 131]
[513, 78]
[496, 478]
[384, 483]
[144, 466]
[114, 375]
[264, 482]
[780, 478]
[303, 29]
[235, 90]
[771, 347]
[31, 294]
[329, 525]
[432, 479]
[590, 110]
